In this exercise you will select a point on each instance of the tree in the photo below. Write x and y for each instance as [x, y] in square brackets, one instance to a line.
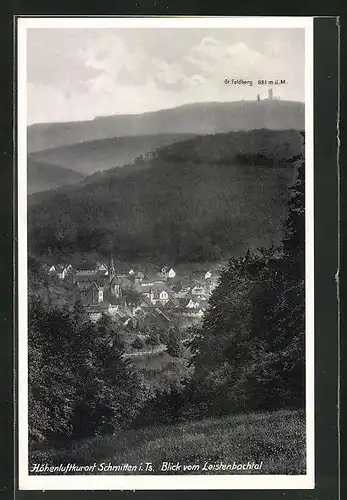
[153, 340]
[294, 239]
[110, 332]
[53, 365]
[138, 344]
[79, 382]
[250, 351]
[174, 346]
[111, 399]
[132, 297]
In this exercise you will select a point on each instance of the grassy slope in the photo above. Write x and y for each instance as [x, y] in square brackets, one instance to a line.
[277, 439]
[90, 156]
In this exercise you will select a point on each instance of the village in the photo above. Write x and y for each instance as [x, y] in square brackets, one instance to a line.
[125, 293]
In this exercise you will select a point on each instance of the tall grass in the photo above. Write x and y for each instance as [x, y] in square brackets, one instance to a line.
[277, 439]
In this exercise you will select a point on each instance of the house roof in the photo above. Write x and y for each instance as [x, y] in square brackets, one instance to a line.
[160, 287]
[103, 306]
[150, 274]
[121, 280]
[89, 285]
[86, 266]
[60, 268]
[83, 286]
[155, 288]
[156, 293]
[99, 279]
[193, 310]
[102, 264]
[173, 303]
[183, 302]
[145, 302]
[199, 286]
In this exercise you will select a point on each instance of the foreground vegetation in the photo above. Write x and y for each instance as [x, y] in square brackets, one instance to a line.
[277, 439]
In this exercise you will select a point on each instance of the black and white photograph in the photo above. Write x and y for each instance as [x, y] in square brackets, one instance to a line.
[165, 253]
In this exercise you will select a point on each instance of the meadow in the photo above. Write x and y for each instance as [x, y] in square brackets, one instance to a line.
[276, 438]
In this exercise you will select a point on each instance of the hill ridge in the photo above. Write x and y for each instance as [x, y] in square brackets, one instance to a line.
[194, 118]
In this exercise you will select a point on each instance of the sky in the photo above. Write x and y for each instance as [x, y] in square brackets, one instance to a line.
[76, 74]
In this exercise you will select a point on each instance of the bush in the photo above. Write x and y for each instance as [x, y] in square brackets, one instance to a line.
[153, 340]
[138, 344]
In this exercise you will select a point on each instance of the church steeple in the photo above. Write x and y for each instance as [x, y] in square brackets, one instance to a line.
[111, 269]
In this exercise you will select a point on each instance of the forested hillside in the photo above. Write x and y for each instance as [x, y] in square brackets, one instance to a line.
[200, 199]
[90, 156]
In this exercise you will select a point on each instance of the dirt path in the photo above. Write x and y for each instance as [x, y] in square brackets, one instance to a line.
[140, 353]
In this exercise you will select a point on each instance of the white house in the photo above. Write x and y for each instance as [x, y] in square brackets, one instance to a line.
[171, 273]
[163, 272]
[208, 275]
[156, 295]
[113, 308]
[192, 304]
[102, 266]
[193, 313]
[163, 297]
[198, 290]
[159, 297]
[61, 272]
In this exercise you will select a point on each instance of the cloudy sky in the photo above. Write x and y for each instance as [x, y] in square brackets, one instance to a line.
[77, 74]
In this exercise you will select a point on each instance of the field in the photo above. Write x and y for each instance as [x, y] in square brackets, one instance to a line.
[277, 439]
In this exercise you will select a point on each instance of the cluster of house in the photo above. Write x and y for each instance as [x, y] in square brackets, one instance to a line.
[102, 289]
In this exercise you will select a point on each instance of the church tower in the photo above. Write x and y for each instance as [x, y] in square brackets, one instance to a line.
[111, 269]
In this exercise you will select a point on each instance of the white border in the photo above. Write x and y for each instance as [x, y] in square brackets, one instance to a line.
[228, 482]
